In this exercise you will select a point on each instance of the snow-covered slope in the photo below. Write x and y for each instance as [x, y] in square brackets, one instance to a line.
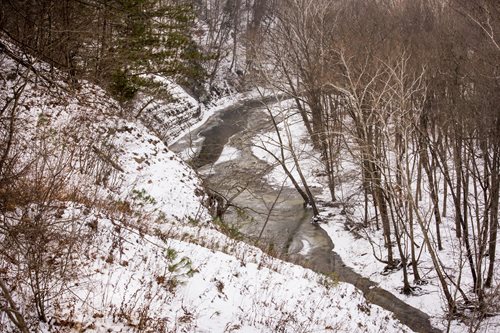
[150, 259]
[168, 116]
[165, 284]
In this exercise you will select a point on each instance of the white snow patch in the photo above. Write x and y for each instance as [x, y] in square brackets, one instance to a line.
[229, 153]
[306, 247]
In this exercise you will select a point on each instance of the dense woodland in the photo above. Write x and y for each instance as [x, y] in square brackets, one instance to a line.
[409, 88]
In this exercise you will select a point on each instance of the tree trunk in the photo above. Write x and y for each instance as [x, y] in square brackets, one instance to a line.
[495, 181]
[384, 216]
[12, 310]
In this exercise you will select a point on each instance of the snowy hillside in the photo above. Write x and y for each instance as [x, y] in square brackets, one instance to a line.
[126, 243]
[168, 116]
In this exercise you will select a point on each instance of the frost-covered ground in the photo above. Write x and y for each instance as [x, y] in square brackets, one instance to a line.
[356, 245]
[152, 260]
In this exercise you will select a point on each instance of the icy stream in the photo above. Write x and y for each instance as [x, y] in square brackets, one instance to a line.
[255, 204]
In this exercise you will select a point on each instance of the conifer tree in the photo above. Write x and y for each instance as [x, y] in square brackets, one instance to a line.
[117, 43]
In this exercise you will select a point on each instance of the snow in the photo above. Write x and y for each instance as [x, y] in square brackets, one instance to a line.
[228, 154]
[306, 247]
[245, 290]
[153, 262]
[168, 113]
[150, 167]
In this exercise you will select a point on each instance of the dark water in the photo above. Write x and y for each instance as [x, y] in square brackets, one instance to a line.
[217, 136]
[287, 224]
